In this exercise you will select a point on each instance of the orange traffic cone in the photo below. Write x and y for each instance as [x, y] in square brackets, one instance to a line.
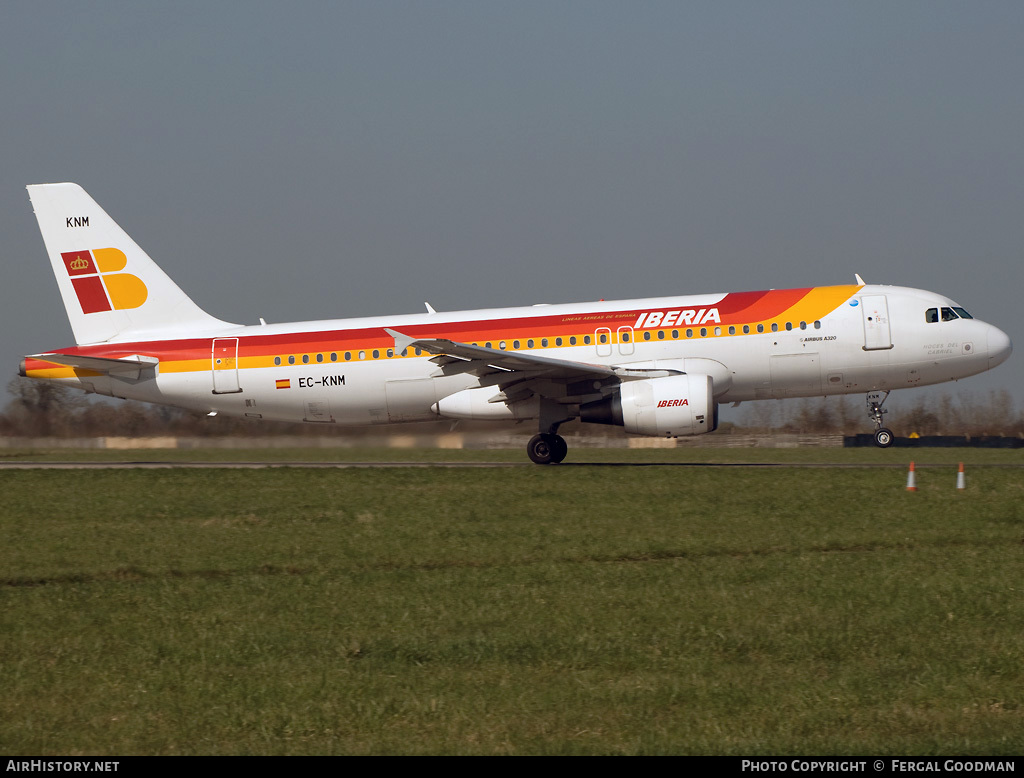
[911, 484]
[960, 481]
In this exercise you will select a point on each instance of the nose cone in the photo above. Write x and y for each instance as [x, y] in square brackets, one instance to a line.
[999, 347]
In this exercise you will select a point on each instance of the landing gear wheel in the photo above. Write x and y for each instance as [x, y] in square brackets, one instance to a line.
[559, 448]
[883, 437]
[547, 448]
[539, 449]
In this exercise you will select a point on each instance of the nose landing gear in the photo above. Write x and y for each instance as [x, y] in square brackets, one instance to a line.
[883, 435]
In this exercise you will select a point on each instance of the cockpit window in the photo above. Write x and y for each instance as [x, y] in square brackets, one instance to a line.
[948, 314]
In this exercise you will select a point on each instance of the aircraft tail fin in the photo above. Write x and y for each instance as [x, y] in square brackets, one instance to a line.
[111, 289]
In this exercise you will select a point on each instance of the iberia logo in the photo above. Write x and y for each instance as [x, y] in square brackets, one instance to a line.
[673, 403]
[99, 285]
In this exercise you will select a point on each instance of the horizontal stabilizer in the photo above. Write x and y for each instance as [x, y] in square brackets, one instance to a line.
[128, 367]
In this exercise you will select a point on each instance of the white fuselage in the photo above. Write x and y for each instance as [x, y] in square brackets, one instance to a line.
[876, 338]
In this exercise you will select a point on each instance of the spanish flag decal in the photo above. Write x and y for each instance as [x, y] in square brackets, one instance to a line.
[283, 383]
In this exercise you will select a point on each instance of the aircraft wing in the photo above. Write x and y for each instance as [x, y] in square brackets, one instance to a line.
[528, 373]
[481, 361]
[125, 366]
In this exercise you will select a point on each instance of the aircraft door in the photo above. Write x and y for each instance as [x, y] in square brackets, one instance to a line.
[225, 365]
[875, 311]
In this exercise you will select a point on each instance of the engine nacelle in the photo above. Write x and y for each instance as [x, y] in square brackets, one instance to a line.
[663, 407]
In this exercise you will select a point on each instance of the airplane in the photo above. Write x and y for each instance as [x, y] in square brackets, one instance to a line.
[659, 366]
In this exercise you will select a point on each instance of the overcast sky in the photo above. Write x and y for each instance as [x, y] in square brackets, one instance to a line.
[302, 160]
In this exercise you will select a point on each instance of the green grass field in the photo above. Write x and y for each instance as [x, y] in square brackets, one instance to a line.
[897, 457]
[561, 610]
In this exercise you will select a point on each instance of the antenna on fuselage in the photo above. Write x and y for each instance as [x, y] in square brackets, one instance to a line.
[859, 279]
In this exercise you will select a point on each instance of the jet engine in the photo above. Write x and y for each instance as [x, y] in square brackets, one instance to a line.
[663, 407]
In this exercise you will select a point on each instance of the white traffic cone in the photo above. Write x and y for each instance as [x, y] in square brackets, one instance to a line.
[911, 483]
[960, 481]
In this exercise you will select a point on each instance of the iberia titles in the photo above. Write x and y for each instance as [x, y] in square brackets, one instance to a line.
[681, 318]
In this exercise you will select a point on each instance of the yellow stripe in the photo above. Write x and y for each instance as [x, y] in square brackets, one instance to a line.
[820, 302]
[61, 372]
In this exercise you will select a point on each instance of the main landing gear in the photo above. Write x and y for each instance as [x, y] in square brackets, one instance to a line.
[883, 435]
[547, 448]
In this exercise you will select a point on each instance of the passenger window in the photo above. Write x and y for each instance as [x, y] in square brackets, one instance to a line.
[803, 325]
[775, 327]
[732, 330]
[817, 325]
[572, 340]
[348, 356]
[277, 360]
[558, 341]
[544, 342]
[689, 333]
[703, 332]
[501, 345]
[675, 334]
[586, 340]
[391, 353]
[604, 338]
[647, 336]
[362, 355]
[718, 331]
[305, 359]
[334, 356]
[746, 329]
[529, 343]
[319, 357]
[291, 360]
[789, 326]
[661, 334]
[760, 328]
[625, 337]
[515, 344]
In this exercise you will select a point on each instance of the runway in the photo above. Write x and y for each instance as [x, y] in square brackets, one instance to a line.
[130, 465]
